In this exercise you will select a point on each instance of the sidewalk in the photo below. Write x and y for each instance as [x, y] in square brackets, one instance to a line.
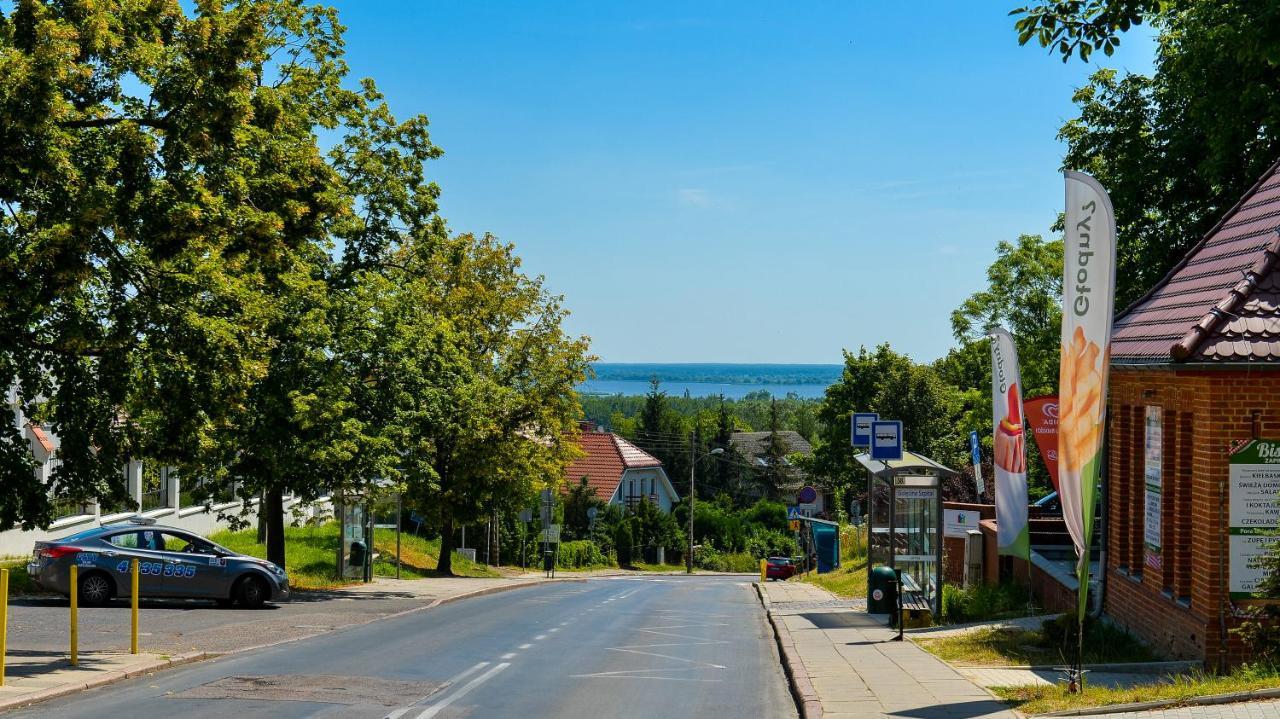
[174, 631]
[844, 663]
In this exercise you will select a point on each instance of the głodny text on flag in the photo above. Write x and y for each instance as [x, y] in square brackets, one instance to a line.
[1010, 444]
[1088, 303]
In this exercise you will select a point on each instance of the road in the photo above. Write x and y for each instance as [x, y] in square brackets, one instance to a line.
[625, 647]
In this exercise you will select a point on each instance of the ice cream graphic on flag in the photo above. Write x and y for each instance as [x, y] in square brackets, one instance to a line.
[1088, 303]
[1010, 444]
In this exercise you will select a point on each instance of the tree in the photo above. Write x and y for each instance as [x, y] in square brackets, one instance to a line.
[1172, 161]
[490, 411]
[776, 473]
[892, 385]
[660, 431]
[159, 169]
[580, 499]
[1078, 27]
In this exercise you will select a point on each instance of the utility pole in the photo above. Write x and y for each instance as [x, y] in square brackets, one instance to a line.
[693, 497]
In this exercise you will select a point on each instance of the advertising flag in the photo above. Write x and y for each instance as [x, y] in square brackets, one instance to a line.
[1088, 303]
[1010, 443]
[1042, 419]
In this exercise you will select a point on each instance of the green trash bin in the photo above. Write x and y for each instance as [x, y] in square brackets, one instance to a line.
[883, 597]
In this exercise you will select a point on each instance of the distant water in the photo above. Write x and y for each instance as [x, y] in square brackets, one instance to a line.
[734, 381]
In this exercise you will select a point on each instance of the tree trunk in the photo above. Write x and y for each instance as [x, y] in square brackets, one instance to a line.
[275, 526]
[445, 565]
[495, 548]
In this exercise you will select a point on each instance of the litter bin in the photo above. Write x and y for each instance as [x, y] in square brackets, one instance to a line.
[358, 552]
[883, 598]
[548, 561]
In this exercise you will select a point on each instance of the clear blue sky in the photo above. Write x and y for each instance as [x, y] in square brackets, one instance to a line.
[737, 181]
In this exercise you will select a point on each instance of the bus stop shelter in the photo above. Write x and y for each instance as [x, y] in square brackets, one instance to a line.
[904, 501]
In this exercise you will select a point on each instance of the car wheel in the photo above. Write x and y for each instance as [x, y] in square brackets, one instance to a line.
[253, 592]
[95, 590]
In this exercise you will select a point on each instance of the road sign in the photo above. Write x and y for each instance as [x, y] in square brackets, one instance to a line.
[808, 495]
[591, 514]
[797, 512]
[860, 428]
[975, 454]
[886, 440]
[552, 534]
[795, 525]
[526, 515]
[855, 512]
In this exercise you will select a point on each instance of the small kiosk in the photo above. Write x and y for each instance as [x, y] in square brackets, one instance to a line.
[904, 502]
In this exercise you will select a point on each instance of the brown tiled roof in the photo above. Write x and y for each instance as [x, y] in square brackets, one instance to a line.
[41, 437]
[606, 456]
[754, 444]
[1219, 304]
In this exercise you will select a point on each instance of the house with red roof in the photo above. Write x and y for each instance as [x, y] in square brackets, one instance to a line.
[620, 472]
[1194, 422]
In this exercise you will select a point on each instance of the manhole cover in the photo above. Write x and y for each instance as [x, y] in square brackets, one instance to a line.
[320, 688]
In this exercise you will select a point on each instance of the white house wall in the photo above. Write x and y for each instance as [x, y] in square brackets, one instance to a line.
[653, 480]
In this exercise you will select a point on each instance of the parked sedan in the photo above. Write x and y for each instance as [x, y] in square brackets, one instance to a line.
[171, 563]
[779, 568]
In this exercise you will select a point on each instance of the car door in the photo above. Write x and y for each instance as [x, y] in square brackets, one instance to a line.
[127, 546]
[193, 569]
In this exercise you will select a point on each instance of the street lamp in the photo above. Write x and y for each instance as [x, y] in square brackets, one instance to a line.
[693, 497]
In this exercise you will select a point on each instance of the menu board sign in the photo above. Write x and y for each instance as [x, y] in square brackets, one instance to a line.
[1255, 512]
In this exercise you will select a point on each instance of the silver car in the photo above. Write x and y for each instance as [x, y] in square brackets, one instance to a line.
[171, 563]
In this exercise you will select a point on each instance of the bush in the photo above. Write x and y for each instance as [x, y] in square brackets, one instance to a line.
[982, 602]
[622, 543]
[765, 543]
[714, 561]
[580, 553]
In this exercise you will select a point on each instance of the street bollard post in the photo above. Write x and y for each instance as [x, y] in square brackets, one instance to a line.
[75, 591]
[4, 619]
[133, 604]
[764, 568]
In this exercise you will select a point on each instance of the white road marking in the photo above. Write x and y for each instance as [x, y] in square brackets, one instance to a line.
[524, 646]
[508, 655]
[540, 637]
[554, 629]
[439, 706]
[404, 710]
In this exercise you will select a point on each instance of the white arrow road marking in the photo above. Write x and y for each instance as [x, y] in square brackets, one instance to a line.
[444, 702]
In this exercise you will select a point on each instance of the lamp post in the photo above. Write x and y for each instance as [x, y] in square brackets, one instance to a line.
[693, 496]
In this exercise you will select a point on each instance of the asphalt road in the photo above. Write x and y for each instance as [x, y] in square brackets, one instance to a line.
[626, 647]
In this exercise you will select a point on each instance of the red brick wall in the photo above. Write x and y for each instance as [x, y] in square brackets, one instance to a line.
[1176, 606]
[953, 547]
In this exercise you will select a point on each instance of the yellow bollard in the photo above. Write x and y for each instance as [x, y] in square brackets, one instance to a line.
[4, 619]
[133, 598]
[75, 635]
[764, 568]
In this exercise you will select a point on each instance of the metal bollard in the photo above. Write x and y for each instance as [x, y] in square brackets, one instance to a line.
[75, 635]
[4, 619]
[133, 599]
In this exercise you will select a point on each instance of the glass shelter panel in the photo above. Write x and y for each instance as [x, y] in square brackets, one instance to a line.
[915, 535]
[879, 502]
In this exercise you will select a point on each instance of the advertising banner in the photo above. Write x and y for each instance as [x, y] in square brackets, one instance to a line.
[1042, 419]
[1012, 535]
[1254, 502]
[1088, 304]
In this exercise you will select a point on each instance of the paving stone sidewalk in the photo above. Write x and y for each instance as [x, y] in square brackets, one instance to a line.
[851, 667]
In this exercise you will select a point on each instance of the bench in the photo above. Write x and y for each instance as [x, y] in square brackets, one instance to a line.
[916, 610]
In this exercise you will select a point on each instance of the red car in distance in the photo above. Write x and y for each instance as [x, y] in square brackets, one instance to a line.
[779, 568]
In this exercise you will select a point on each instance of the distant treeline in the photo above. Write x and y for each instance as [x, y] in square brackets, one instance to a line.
[750, 413]
[823, 374]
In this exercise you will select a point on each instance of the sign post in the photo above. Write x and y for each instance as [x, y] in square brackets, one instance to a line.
[886, 440]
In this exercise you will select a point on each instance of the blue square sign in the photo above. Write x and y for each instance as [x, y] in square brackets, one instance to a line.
[886, 440]
[860, 428]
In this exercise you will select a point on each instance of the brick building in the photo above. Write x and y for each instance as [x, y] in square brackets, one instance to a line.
[1195, 370]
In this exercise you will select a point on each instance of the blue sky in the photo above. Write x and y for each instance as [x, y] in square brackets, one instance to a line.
[737, 181]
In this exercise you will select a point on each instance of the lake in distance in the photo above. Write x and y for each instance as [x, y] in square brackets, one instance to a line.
[734, 381]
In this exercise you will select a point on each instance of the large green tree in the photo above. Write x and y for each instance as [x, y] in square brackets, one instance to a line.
[491, 410]
[159, 166]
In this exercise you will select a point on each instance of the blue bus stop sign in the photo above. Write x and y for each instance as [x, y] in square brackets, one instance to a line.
[886, 440]
[860, 428]
[974, 450]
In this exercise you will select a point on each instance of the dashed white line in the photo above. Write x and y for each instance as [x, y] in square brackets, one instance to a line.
[524, 646]
[436, 708]
[540, 637]
[508, 655]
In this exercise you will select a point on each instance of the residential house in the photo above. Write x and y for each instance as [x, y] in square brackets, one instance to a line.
[754, 448]
[620, 472]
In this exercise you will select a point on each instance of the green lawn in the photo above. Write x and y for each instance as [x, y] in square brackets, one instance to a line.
[1018, 647]
[19, 581]
[848, 581]
[311, 555]
[1040, 699]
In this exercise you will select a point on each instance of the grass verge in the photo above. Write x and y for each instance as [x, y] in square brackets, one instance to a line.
[848, 581]
[311, 555]
[19, 581]
[1041, 699]
[1020, 647]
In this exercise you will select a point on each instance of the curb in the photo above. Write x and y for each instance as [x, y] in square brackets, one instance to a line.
[1166, 703]
[191, 657]
[1120, 668]
[806, 697]
[101, 680]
